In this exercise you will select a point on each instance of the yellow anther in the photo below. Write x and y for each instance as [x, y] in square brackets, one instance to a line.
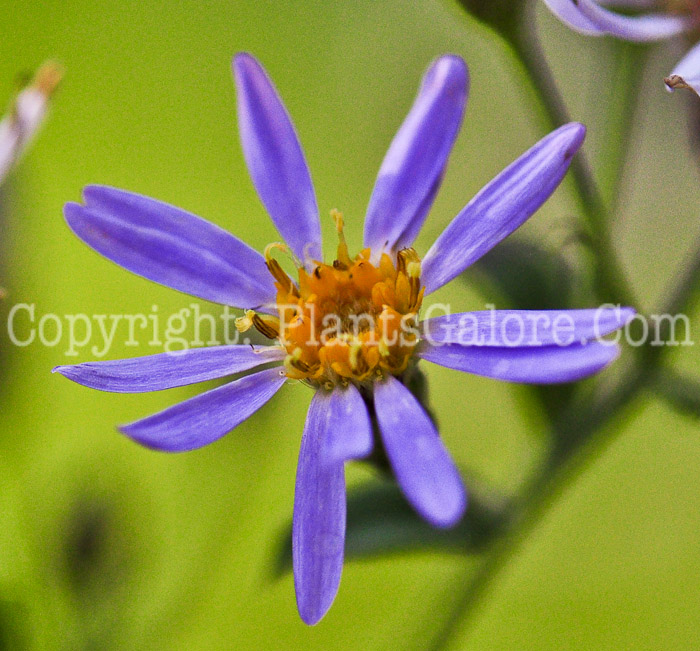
[276, 270]
[289, 366]
[343, 255]
[339, 220]
[676, 81]
[354, 357]
[383, 348]
[296, 368]
[245, 322]
[372, 306]
[267, 325]
[413, 271]
[274, 246]
[404, 257]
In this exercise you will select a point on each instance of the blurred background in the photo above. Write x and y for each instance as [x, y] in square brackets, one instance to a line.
[106, 545]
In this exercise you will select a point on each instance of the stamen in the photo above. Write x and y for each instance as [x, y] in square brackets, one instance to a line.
[267, 325]
[276, 270]
[245, 322]
[383, 348]
[343, 255]
[404, 257]
[413, 270]
[294, 361]
[355, 350]
[371, 305]
[676, 81]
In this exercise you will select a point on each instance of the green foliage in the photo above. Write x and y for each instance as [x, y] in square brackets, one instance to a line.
[505, 16]
[527, 275]
[106, 545]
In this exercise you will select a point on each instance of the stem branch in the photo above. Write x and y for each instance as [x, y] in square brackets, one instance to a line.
[589, 424]
[611, 284]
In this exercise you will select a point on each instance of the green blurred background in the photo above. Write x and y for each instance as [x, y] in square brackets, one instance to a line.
[104, 544]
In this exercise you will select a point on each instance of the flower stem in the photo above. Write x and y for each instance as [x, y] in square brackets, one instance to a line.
[589, 432]
[611, 283]
[581, 435]
[680, 391]
[589, 424]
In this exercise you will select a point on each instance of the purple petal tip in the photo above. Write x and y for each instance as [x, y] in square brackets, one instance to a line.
[626, 315]
[451, 515]
[70, 208]
[458, 66]
[577, 132]
[313, 617]
[241, 59]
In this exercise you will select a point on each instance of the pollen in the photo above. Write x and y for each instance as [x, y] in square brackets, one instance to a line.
[352, 321]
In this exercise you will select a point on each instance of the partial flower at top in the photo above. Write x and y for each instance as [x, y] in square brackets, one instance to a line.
[348, 328]
[25, 115]
[649, 20]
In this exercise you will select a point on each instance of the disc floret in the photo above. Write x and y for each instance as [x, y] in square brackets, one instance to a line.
[354, 320]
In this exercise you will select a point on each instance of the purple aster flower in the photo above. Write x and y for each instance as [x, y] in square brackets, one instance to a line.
[650, 20]
[354, 368]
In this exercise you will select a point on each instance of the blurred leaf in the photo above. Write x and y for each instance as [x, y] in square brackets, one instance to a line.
[680, 392]
[86, 545]
[528, 276]
[502, 15]
[12, 619]
[380, 522]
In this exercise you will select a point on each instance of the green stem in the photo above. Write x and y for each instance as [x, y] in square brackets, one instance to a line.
[592, 432]
[623, 99]
[581, 436]
[685, 292]
[587, 426]
[612, 285]
[680, 391]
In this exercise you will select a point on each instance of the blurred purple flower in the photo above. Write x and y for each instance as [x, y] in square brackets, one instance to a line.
[175, 248]
[651, 20]
[26, 115]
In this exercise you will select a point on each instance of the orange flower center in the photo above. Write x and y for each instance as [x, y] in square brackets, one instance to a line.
[351, 321]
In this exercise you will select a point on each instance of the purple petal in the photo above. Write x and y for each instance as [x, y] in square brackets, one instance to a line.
[544, 365]
[422, 466]
[647, 27]
[207, 417]
[172, 247]
[502, 206]
[522, 328]
[570, 14]
[318, 530]
[275, 159]
[687, 73]
[349, 430]
[168, 370]
[413, 167]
